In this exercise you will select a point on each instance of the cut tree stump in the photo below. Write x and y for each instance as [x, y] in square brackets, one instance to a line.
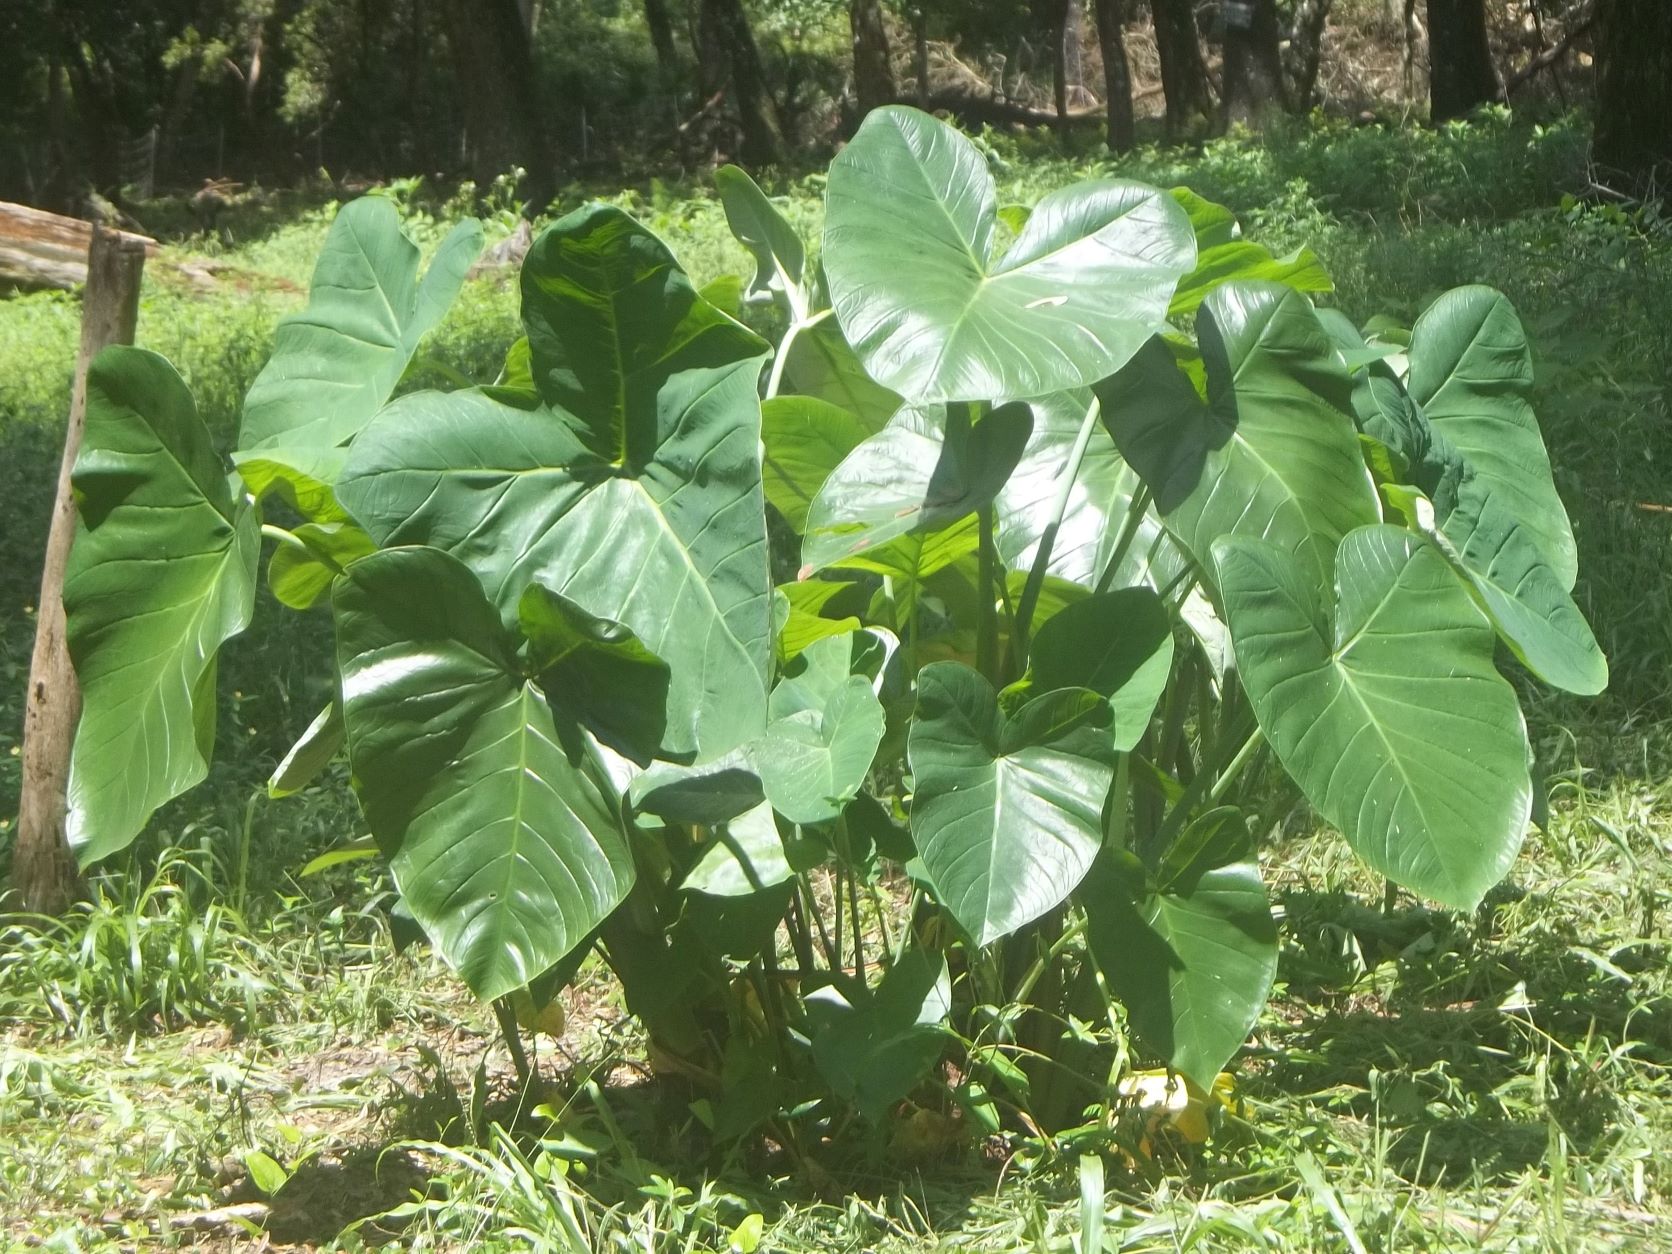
[44, 875]
[41, 249]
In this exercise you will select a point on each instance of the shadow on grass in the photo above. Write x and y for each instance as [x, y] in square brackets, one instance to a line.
[1470, 1046]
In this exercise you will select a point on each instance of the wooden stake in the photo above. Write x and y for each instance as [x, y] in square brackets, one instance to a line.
[44, 875]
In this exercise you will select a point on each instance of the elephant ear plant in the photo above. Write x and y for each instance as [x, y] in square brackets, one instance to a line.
[1094, 516]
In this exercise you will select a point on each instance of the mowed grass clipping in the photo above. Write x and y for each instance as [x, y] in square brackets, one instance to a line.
[217, 1045]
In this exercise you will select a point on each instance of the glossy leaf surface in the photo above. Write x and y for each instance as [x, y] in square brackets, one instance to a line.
[1192, 962]
[1007, 815]
[908, 251]
[641, 504]
[1472, 374]
[507, 851]
[162, 573]
[920, 473]
[1392, 719]
[1272, 453]
[335, 363]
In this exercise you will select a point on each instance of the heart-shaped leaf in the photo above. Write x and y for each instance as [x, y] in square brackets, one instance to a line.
[908, 250]
[1193, 963]
[161, 574]
[1475, 521]
[1272, 452]
[335, 363]
[1007, 814]
[507, 851]
[826, 726]
[1393, 720]
[641, 504]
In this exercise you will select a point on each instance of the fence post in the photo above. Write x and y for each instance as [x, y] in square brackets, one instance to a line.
[44, 874]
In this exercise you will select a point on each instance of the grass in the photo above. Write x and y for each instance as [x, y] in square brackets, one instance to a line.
[215, 1041]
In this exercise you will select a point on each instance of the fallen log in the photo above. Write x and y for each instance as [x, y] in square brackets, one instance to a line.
[977, 111]
[41, 249]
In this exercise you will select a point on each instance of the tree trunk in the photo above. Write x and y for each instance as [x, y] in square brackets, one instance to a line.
[1306, 51]
[494, 65]
[44, 874]
[1253, 79]
[1062, 33]
[656, 17]
[729, 58]
[1184, 77]
[1633, 143]
[1461, 77]
[873, 73]
[1117, 75]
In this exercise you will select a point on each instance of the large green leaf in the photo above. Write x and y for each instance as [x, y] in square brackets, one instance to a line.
[635, 492]
[910, 227]
[335, 363]
[1477, 523]
[826, 726]
[1472, 374]
[507, 850]
[1007, 813]
[1272, 453]
[1193, 962]
[919, 473]
[1521, 594]
[1393, 720]
[805, 440]
[1118, 644]
[874, 1053]
[759, 227]
[161, 574]
[747, 854]
[1097, 509]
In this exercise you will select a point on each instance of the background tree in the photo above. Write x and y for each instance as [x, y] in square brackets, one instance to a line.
[730, 61]
[873, 71]
[491, 45]
[1117, 74]
[1461, 76]
[1634, 96]
[1253, 76]
[1184, 75]
[1305, 51]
